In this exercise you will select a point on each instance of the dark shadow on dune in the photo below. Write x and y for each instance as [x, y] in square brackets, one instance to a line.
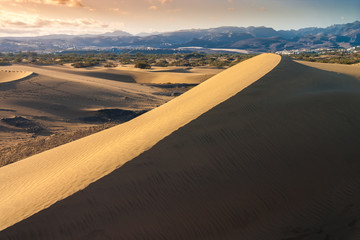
[108, 75]
[280, 160]
[182, 70]
[7, 110]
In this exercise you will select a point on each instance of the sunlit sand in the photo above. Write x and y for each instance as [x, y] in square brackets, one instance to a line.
[13, 75]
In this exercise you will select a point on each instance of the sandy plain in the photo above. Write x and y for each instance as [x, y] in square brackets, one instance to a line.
[271, 153]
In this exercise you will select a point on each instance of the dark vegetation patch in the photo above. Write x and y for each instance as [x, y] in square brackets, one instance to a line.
[27, 125]
[107, 118]
[175, 85]
[4, 63]
[40, 144]
[169, 93]
[142, 65]
[111, 115]
[141, 60]
[172, 90]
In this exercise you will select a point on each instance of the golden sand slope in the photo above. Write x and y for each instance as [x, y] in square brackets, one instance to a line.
[12, 75]
[277, 161]
[352, 70]
[37, 182]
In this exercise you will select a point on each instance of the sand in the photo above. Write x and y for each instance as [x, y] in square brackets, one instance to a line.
[352, 70]
[13, 75]
[277, 160]
[59, 98]
[36, 183]
[155, 75]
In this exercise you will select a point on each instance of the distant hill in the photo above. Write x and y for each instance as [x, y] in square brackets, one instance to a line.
[257, 39]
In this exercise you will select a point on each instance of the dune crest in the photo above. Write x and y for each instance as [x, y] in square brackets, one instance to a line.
[13, 75]
[35, 183]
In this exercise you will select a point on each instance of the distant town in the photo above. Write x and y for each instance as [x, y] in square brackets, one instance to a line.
[355, 49]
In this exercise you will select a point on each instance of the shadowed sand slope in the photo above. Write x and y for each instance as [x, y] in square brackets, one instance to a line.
[12, 75]
[279, 160]
[37, 182]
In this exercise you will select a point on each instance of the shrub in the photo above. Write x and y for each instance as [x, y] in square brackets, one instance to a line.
[84, 64]
[162, 63]
[142, 65]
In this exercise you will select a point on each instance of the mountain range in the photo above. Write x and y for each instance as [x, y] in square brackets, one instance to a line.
[254, 39]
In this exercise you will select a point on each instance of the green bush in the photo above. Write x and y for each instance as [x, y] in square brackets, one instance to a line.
[84, 64]
[142, 65]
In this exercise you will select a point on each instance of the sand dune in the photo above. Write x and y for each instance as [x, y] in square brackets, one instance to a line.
[59, 101]
[12, 75]
[37, 182]
[152, 76]
[156, 75]
[278, 160]
[352, 70]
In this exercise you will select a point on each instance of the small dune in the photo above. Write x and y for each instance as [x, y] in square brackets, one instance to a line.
[150, 76]
[13, 75]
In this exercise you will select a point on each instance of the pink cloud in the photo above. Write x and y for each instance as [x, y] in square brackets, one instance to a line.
[69, 3]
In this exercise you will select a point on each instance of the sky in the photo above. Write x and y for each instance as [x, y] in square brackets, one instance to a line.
[43, 17]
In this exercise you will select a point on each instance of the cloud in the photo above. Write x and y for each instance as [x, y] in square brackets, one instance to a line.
[23, 20]
[69, 3]
[119, 11]
[31, 24]
[165, 1]
[156, 4]
[162, 2]
[153, 8]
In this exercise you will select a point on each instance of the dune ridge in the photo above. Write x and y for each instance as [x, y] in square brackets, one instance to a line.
[13, 75]
[36, 183]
